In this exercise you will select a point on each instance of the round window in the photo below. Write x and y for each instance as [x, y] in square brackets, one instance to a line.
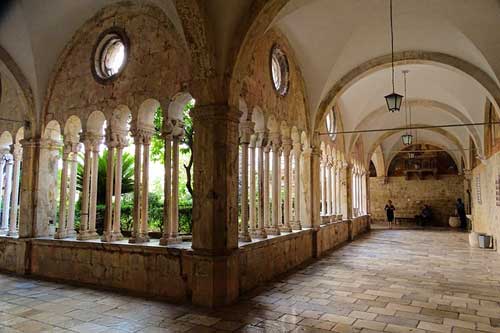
[279, 70]
[110, 55]
[331, 124]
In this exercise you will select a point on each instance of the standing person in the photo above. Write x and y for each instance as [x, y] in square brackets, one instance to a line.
[461, 214]
[389, 209]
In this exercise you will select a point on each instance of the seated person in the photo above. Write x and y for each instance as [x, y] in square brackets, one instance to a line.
[426, 215]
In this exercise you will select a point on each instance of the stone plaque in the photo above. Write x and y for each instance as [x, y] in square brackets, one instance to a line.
[478, 189]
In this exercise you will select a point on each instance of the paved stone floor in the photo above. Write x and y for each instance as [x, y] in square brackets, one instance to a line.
[391, 280]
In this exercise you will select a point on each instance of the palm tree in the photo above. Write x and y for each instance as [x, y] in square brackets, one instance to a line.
[127, 175]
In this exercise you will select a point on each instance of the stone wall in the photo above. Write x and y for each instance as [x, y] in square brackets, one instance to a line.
[409, 196]
[167, 272]
[485, 212]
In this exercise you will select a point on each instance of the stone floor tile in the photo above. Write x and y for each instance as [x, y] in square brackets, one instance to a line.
[433, 327]
[458, 323]
[402, 329]
[370, 324]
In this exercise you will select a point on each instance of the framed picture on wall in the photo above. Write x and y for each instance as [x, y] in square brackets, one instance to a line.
[478, 189]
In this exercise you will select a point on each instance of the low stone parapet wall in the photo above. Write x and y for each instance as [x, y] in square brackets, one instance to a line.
[168, 272]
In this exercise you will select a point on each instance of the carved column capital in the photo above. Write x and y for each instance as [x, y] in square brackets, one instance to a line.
[286, 143]
[142, 135]
[262, 139]
[246, 131]
[91, 141]
[16, 151]
[253, 141]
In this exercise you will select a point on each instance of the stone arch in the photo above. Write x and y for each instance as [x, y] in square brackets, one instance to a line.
[258, 119]
[166, 63]
[435, 105]
[52, 130]
[72, 129]
[146, 113]
[403, 58]
[6, 140]
[96, 121]
[377, 158]
[19, 135]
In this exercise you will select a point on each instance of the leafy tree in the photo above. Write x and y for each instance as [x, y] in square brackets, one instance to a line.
[127, 175]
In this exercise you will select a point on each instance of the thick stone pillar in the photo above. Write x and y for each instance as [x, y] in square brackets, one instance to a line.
[29, 219]
[73, 163]
[14, 203]
[215, 269]
[252, 221]
[142, 140]
[315, 186]
[91, 143]
[9, 163]
[306, 188]
[346, 192]
[276, 181]
[263, 204]
[297, 150]
[3, 163]
[287, 148]
[333, 173]
[245, 134]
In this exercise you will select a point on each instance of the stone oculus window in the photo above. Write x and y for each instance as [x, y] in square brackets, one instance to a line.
[110, 55]
[279, 70]
[331, 124]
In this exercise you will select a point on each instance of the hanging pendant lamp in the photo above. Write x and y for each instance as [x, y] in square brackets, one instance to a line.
[393, 100]
[407, 137]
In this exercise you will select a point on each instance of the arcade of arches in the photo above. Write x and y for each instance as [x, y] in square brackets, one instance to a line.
[193, 150]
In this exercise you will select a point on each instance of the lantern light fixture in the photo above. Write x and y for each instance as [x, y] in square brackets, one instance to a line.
[407, 137]
[393, 100]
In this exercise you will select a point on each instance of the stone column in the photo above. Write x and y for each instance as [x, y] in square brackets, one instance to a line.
[91, 143]
[339, 188]
[63, 193]
[287, 148]
[334, 188]
[108, 214]
[296, 225]
[364, 193]
[266, 191]
[252, 194]
[167, 190]
[7, 193]
[263, 177]
[73, 163]
[3, 163]
[275, 208]
[215, 260]
[329, 196]
[17, 155]
[142, 140]
[94, 174]
[324, 187]
[245, 133]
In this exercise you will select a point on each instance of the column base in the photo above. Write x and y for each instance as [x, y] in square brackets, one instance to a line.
[141, 238]
[60, 234]
[244, 237]
[259, 233]
[273, 231]
[296, 225]
[285, 228]
[170, 240]
[12, 233]
[4, 231]
[87, 235]
[112, 236]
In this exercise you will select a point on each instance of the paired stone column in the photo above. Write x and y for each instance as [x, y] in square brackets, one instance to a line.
[88, 211]
[246, 131]
[346, 183]
[14, 203]
[142, 141]
[266, 190]
[263, 177]
[329, 185]
[316, 187]
[3, 163]
[215, 259]
[287, 148]
[7, 192]
[297, 150]
[252, 194]
[306, 204]
[324, 186]
[275, 141]
[68, 190]
[333, 173]
[338, 177]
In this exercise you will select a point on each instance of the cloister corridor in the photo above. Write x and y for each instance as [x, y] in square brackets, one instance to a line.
[387, 280]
